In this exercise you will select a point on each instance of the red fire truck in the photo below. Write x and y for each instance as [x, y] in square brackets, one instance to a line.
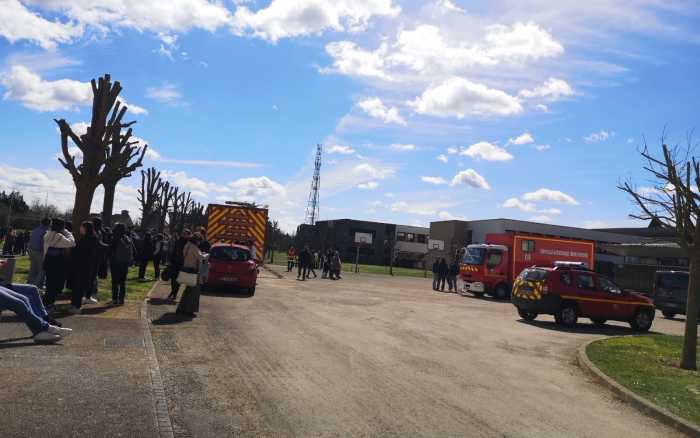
[491, 267]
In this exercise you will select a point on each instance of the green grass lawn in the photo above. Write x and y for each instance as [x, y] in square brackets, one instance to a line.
[135, 290]
[648, 365]
[280, 258]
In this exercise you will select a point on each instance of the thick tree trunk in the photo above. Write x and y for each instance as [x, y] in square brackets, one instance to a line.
[108, 203]
[690, 340]
[83, 201]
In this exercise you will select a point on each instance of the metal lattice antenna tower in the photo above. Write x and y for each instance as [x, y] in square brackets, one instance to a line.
[312, 208]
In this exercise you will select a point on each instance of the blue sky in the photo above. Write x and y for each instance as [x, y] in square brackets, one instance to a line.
[426, 110]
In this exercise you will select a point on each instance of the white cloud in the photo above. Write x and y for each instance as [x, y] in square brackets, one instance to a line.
[442, 157]
[487, 151]
[19, 23]
[447, 216]
[403, 147]
[285, 19]
[552, 89]
[134, 109]
[339, 149]
[544, 194]
[437, 180]
[459, 97]
[27, 87]
[542, 147]
[429, 208]
[372, 171]
[206, 163]
[198, 187]
[452, 150]
[522, 40]
[595, 137]
[630, 140]
[157, 16]
[256, 188]
[351, 60]
[471, 178]
[166, 93]
[450, 7]
[371, 185]
[550, 211]
[542, 107]
[519, 205]
[524, 138]
[542, 218]
[376, 108]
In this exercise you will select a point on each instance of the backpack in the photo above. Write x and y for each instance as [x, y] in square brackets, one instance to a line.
[123, 251]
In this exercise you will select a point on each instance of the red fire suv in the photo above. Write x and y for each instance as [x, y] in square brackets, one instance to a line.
[232, 266]
[570, 292]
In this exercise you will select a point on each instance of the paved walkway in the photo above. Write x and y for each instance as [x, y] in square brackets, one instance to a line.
[95, 383]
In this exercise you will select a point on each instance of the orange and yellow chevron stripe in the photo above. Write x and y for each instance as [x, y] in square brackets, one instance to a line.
[228, 224]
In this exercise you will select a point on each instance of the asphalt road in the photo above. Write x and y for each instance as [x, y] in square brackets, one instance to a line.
[380, 356]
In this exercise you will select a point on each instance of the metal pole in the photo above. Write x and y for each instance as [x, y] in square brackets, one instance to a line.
[357, 259]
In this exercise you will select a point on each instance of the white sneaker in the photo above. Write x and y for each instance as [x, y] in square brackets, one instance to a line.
[74, 311]
[93, 300]
[46, 338]
[63, 332]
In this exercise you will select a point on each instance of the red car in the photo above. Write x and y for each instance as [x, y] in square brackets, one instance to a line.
[232, 266]
[569, 293]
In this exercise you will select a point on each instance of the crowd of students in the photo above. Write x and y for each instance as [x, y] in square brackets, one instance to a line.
[60, 260]
[308, 261]
[15, 242]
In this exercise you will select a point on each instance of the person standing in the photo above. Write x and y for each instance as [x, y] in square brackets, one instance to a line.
[100, 261]
[146, 254]
[336, 265]
[303, 264]
[84, 257]
[36, 254]
[56, 241]
[452, 278]
[191, 260]
[9, 245]
[312, 260]
[121, 253]
[443, 270]
[176, 261]
[436, 274]
[157, 254]
[291, 253]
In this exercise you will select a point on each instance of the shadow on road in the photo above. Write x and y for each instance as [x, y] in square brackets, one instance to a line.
[171, 318]
[15, 342]
[488, 298]
[210, 291]
[583, 328]
[160, 301]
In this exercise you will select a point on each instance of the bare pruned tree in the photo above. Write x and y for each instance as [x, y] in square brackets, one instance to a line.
[93, 145]
[148, 195]
[674, 203]
[119, 164]
[167, 194]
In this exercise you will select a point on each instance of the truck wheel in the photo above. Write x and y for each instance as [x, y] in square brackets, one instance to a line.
[501, 292]
[599, 321]
[567, 315]
[527, 316]
[641, 321]
[668, 314]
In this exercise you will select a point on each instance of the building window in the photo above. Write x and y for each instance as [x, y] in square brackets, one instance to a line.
[421, 238]
[401, 237]
[410, 237]
[528, 246]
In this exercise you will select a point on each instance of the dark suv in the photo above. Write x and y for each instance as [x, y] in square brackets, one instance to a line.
[670, 292]
[569, 293]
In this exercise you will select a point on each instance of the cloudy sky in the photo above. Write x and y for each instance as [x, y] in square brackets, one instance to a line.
[426, 110]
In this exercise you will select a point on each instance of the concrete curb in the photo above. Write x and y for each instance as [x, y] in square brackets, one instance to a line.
[164, 424]
[640, 403]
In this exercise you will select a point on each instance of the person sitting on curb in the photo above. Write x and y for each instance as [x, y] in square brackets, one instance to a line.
[24, 300]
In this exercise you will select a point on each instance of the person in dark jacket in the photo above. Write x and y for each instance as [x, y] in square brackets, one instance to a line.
[452, 276]
[145, 254]
[436, 274]
[304, 256]
[83, 258]
[443, 270]
[121, 256]
[176, 260]
[56, 241]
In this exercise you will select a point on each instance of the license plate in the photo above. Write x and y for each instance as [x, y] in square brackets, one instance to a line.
[229, 279]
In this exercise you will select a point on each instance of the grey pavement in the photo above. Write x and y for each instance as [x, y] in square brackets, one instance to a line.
[378, 356]
[95, 383]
